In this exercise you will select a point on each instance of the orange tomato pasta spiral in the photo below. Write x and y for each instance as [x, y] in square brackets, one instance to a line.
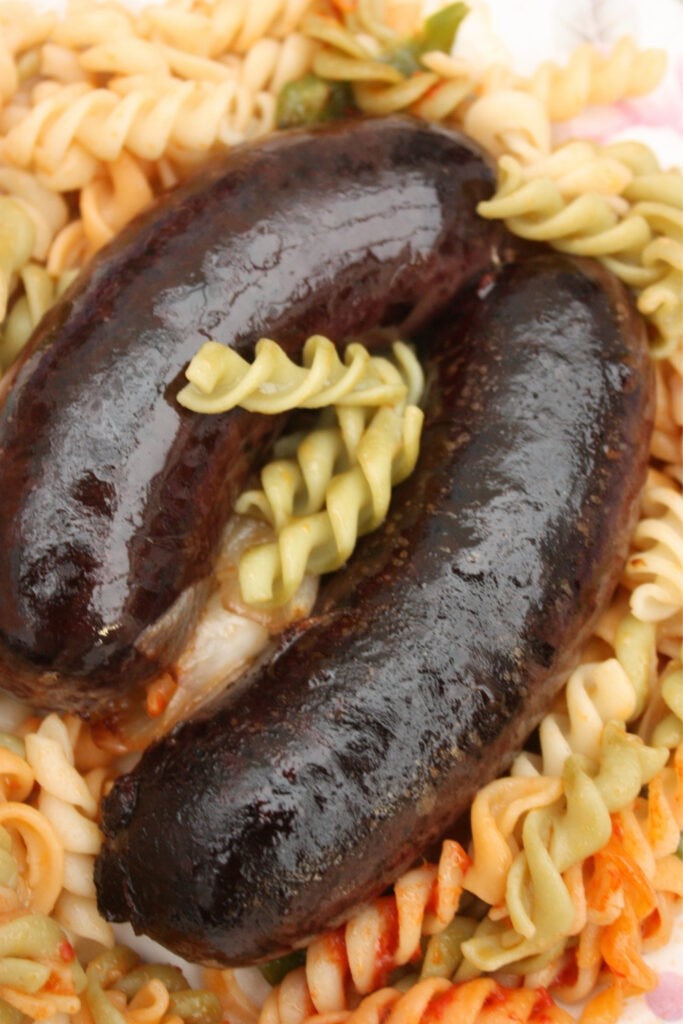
[439, 1001]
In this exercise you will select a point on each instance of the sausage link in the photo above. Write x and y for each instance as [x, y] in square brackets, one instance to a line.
[113, 496]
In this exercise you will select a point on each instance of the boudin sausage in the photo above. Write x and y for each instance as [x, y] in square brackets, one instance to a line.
[113, 496]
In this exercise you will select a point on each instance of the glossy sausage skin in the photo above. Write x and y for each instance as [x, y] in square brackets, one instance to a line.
[431, 657]
[114, 497]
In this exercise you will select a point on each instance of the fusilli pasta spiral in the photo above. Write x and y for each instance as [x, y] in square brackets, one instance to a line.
[482, 1001]
[121, 991]
[589, 78]
[67, 802]
[596, 693]
[220, 379]
[356, 502]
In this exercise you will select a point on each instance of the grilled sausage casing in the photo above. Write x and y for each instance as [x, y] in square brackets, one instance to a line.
[113, 496]
[432, 656]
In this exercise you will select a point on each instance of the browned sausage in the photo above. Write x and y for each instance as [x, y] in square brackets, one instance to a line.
[114, 497]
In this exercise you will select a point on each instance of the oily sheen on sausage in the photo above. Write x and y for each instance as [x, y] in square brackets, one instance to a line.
[113, 496]
[364, 736]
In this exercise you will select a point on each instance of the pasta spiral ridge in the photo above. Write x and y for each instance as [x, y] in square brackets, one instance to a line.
[208, 29]
[39, 975]
[47, 211]
[356, 502]
[655, 570]
[268, 64]
[343, 963]
[34, 950]
[69, 802]
[430, 1000]
[20, 32]
[220, 379]
[597, 692]
[17, 236]
[39, 290]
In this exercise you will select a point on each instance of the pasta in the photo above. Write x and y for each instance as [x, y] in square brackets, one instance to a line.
[102, 111]
[106, 104]
[595, 694]
[432, 84]
[16, 242]
[220, 379]
[337, 481]
[121, 991]
[356, 501]
[40, 291]
[639, 243]
[34, 949]
[346, 956]
[589, 78]
[69, 802]
[554, 839]
[436, 999]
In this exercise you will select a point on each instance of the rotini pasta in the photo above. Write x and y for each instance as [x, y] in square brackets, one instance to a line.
[590, 78]
[436, 999]
[68, 133]
[595, 694]
[386, 75]
[538, 902]
[39, 291]
[47, 211]
[229, 25]
[39, 976]
[220, 379]
[356, 502]
[656, 568]
[16, 243]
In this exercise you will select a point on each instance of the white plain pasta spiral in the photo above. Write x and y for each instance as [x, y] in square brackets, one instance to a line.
[590, 78]
[210, 28]
[67, 134]
[655, 569]
[68, 804]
